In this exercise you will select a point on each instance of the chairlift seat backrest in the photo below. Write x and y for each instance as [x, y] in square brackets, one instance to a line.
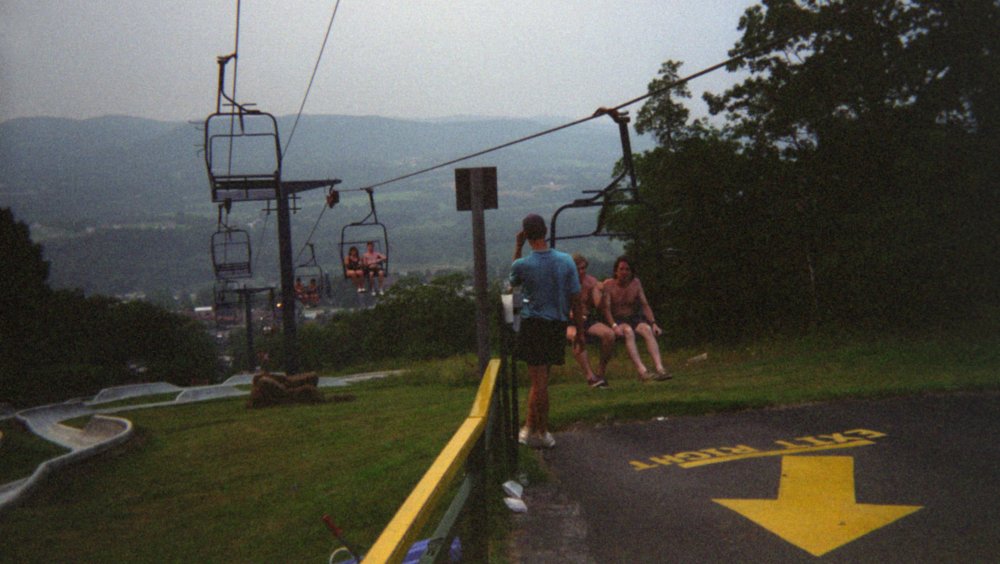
[231, 254]
[243, 156]
[611, 195]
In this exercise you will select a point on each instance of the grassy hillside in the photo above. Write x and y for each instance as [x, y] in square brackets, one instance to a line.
[216, 482]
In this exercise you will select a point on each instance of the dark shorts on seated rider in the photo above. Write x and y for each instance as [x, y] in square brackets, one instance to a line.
[632, 321]
[541, 341]
[588, 322]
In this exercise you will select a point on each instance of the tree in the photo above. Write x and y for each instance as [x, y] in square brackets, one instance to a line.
[25, 273]
[24, 280]
[60, 344]
[864, 144]
[662, 116]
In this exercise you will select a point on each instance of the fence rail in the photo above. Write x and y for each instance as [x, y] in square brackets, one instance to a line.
[401, 532]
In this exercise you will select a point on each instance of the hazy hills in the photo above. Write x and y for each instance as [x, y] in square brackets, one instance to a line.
[122, 204]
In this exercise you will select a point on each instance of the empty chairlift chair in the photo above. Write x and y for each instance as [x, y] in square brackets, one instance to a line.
[611, 195]
[231, 254]
[227, 304]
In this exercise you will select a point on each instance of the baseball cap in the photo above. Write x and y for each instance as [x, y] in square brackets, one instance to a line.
[534, 226]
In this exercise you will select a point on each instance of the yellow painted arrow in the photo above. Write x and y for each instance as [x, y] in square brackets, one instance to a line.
[816, 509]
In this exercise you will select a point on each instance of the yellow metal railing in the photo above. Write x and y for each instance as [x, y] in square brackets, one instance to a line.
[402, 530]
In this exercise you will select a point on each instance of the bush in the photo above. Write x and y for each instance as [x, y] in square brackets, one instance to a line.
[414, 320]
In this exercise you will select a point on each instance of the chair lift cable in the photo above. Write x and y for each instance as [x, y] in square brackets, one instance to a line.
[236, 60]
[298, 116]
[311, 79]
[600, 112]
[313, 231]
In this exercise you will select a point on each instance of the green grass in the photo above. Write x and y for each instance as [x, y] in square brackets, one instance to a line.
[217, 482]
[21, 451]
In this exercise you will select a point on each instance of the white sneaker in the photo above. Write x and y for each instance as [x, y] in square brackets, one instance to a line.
[522, 435]
[546, 440]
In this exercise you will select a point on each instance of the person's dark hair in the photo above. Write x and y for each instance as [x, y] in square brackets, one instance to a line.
[534, 226]
[352, 250]
[627, 261]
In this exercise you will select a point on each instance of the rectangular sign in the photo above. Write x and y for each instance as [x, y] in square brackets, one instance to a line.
[484, 178]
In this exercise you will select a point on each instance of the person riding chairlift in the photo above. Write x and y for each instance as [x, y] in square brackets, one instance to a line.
[354, 269]
[373, 262]
[312, 293]
[300, 290]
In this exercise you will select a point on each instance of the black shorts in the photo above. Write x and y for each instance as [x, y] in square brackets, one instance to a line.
[541, 342]
[590, 321]
[633, 321]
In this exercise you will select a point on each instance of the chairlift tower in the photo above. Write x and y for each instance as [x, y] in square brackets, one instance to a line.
[243, 158]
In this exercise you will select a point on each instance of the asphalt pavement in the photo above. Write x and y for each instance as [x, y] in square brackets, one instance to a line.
[911, 479]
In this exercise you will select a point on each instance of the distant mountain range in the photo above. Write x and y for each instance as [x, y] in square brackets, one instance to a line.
[122, 204]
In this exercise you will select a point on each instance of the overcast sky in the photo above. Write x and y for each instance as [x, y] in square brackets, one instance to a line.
[398, 58]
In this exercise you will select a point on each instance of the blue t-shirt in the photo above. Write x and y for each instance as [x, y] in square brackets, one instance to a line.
[548, 279]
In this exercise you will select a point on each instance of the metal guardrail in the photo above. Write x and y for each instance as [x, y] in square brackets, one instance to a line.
[468, 446]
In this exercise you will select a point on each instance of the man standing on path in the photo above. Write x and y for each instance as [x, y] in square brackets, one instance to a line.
[550, 287]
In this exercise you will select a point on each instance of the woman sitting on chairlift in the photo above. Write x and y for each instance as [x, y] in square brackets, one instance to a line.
[354, 270]
[300, 290]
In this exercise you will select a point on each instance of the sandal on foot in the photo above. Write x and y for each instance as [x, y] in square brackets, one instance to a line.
[662, 375]
[597, 383]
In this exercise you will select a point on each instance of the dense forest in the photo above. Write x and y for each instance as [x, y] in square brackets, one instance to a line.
[854, 183]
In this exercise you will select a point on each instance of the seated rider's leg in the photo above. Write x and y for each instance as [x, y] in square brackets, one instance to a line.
[630, 346]
[606, 335]
[651, 345]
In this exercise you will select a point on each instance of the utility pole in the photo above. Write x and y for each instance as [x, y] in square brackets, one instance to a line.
[476, 191]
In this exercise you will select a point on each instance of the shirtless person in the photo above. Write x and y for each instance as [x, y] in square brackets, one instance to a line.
[374, 263]
[591, 293]
[628, 312]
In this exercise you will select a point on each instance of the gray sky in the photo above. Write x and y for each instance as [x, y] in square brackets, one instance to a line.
[397, 58]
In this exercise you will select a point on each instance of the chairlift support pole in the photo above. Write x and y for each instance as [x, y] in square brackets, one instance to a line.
[290, 342]
[248, 319]
[288, 319]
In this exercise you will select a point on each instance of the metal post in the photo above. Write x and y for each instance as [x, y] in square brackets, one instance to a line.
[476, 549]
[479, 271]
[291, 353]
[248, 321]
